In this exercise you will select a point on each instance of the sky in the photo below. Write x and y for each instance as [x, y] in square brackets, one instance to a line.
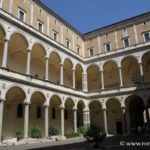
[88, 15]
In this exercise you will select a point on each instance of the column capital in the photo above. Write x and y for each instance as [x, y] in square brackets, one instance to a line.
[29, 49]
[74, 108]
[46, 105]
[6, 39]
[26, 103]
[2, 99]
[61, 64]
[46, 57]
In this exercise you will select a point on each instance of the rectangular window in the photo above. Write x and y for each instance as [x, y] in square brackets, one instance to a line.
[40, 26]
[21, 15]
[91, 51]
[68, 44]
[78, 50]
[146, 37]
[126, 42]
[55, 36]
[108, 47]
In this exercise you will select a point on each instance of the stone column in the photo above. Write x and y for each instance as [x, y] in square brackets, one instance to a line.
[84, 82]
[46, 120]
[147, 117]
[10, 6]
[86, 118]
[1, 117]
[62, 121]
[105, 117]
[75, 119]
[74, 80]
[26, 120]
[120, 76]
[102, 79]
[5, 53]
[1, 3]
[141, 72]
[61, 75]
[124, 119]
[28, 65]
[46, 68]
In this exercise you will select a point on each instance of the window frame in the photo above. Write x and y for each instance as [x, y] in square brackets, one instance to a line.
[127, 38]
[20, 10]
[38, 23]
[109, 46]
[89, 49]
[55, 33]
[148, 32]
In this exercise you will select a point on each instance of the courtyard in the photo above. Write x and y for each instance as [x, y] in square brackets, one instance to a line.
[127, 142]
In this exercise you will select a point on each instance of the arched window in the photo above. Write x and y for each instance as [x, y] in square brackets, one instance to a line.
[38, 112]
[19, 111]
[66, 114]
[53, 113]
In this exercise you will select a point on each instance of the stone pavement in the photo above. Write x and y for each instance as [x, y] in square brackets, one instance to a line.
[110, 143]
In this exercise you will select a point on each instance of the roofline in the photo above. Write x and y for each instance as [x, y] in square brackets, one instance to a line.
[117, 23]
[41, 4]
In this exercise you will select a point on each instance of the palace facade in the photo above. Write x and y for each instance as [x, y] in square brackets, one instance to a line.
[51, 75]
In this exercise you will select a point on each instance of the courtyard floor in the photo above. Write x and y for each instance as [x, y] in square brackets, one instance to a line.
[110, 143]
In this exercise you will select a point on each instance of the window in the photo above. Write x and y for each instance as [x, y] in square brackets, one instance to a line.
[147, 37]
[40, 26]
[66, 114]
[38, 112]
[55, 36]
[68, 44]
[21, 15]
[91, 51]
[126, 42]
[108, 47]
[19, 111]
[53, 113]
[78, 50]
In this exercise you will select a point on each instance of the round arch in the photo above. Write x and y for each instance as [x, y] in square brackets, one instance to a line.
[111, 74]
[94, 78]
[68, 74]
[114, 117]
[36, 111]
[130, 71]
[134, 109]
[2, 38]
[17, 54]
[146, 66]
[54, 67]
[38, 54]
[13, 111]
[78, 76]
[96, 114]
